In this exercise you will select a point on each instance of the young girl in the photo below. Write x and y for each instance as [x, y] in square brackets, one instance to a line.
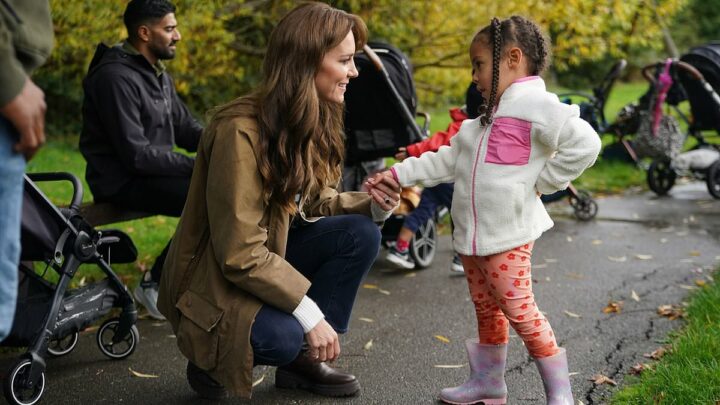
[525, 143]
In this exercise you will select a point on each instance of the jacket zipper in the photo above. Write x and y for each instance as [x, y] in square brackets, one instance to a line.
[11, 11]
[472, 193]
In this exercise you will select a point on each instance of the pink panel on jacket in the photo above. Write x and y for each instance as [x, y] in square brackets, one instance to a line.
[509, 142]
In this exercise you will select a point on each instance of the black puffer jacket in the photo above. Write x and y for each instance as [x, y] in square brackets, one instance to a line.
[132, 118]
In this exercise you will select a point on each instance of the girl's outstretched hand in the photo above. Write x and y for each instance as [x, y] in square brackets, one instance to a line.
[384, 189]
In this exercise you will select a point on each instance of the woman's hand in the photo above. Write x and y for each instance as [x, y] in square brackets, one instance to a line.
[401, 154]
[323, 343]
[384, 189]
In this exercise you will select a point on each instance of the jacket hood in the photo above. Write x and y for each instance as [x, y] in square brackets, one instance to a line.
[105, 55]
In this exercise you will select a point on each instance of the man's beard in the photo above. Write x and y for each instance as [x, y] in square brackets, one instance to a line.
[163, 53]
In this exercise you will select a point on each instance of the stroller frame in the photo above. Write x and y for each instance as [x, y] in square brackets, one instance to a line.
[68, 313]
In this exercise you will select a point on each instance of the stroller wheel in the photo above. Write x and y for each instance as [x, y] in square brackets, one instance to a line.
[121, 348]
[584, 207]
[422, 245]
[16, 386]
[63, 346]
[713, 179]
[660, 177]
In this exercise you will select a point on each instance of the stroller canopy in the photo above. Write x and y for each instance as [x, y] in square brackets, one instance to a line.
[374, 124]
[706, 59]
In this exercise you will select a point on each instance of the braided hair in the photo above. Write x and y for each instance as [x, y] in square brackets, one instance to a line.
[518, 31]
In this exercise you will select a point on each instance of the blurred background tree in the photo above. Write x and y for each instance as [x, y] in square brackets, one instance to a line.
[224, 41]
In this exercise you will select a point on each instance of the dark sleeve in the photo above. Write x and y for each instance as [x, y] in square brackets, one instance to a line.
[117, 101]
[187, 128]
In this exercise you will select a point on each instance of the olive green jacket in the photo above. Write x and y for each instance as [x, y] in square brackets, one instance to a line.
[26, 39]
[227, 256]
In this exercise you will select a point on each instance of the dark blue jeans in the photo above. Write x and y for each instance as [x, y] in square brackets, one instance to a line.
[335, 254]
[430, 199]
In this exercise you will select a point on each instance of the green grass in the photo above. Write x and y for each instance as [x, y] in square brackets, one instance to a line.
[690, 373]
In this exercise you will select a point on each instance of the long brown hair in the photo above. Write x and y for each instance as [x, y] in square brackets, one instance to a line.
[517, 31]
[301, 136]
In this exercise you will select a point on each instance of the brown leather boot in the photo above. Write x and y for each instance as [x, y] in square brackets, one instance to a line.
[204, 385]
[315, 377]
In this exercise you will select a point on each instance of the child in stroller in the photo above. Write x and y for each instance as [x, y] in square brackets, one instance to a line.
[437, 197]
[48, 315]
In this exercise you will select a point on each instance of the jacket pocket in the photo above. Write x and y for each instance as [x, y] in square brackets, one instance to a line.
[509, 142]
[197, 336]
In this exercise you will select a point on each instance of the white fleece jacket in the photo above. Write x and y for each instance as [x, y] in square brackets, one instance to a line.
[535, 143]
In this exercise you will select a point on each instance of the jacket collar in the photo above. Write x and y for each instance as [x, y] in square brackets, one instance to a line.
[522, 87]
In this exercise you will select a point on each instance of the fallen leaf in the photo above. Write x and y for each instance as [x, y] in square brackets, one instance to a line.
[700, 283]
[571, 314]
[687, 287]
[640, 367]
[672, 312]
[368, 320]
[259, 381]
[656, 354]
[601, 379]
[413, 274]
[442, 338]
[82, 282]
[643, 257]
[449, 365]
[597, 242]
[634, 296]
[141, 375]
[370, 286]
[569, 239]
[613, 306]
[172, 336]
[368, 345]
[694, 253]
[386, 292]
[617, 258]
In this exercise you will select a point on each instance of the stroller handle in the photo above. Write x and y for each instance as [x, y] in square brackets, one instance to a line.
[58, 176]
[682, 65]
[405, 111]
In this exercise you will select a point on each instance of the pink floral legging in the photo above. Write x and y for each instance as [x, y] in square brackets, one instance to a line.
[501, 289]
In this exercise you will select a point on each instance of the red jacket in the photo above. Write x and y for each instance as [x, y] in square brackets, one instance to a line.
[440, 138]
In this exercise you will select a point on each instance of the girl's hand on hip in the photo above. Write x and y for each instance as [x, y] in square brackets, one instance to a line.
[323, 343]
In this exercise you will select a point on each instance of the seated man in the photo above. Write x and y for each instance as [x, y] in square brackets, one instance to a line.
[132, 119]
[432, 197]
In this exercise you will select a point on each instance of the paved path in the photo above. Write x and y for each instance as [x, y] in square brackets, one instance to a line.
[653, 247]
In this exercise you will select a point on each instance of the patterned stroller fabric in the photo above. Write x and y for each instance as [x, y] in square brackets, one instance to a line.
[659, 136]
[665, 144]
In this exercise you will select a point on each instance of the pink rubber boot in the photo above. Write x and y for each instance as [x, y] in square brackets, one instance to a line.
[556, 379]
[487, 377]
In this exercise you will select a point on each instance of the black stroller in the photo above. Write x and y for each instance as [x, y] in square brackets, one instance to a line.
[592, 110]
[49, 316]
[695, 78]
[380, 117]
